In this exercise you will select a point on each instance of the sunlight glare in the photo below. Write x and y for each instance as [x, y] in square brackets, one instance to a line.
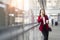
[18, 4]
[26, 5]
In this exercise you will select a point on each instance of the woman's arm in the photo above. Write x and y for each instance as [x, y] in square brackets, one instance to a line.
[47, 21]
[39, 19]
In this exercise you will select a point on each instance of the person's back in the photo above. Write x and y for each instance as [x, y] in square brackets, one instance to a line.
[52, 22]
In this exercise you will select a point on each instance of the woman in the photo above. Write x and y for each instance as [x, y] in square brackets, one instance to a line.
[44, 28]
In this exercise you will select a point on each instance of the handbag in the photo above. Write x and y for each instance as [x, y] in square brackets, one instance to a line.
[49, 29]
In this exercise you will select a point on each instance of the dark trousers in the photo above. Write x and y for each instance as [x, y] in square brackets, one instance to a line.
[45, 34]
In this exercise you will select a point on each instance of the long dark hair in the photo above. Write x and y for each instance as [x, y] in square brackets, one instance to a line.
[40, 12]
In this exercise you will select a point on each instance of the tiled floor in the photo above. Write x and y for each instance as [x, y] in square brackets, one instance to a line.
[55, 34]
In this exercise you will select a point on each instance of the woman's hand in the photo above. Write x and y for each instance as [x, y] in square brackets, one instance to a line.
[47, 21]
[42, 16]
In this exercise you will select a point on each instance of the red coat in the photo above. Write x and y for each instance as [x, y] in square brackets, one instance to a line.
[40, 20]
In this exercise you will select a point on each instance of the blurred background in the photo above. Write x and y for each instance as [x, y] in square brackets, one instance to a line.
[18, 19]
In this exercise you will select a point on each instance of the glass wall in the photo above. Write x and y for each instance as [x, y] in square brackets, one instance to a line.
[20, 11]
[32, 12]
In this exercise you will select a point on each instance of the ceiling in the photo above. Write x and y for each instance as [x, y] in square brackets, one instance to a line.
[50, 4]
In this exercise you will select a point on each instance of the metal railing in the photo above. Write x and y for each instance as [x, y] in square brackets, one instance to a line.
[16, 32]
